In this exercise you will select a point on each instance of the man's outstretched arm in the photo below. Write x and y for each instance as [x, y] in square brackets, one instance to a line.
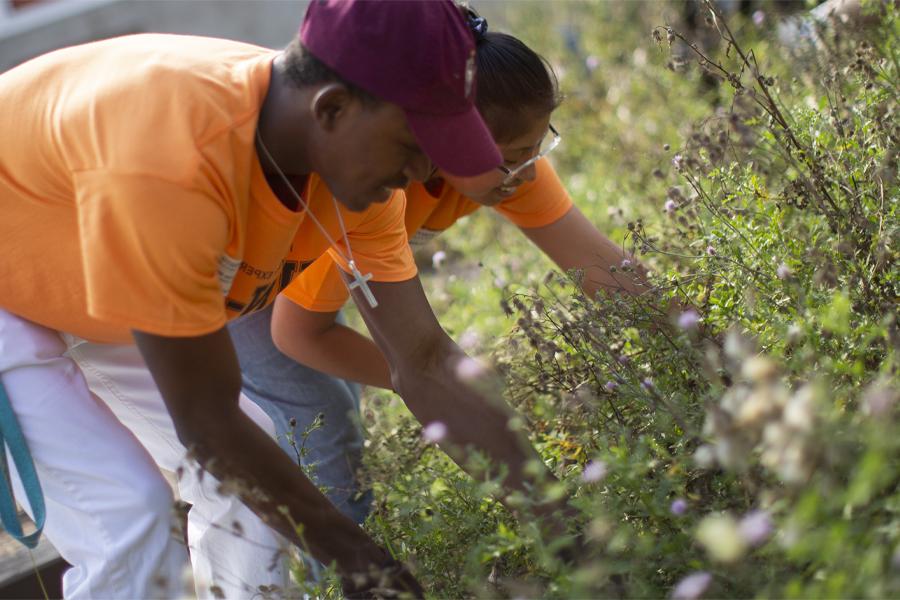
[200, 381]
[429, 371]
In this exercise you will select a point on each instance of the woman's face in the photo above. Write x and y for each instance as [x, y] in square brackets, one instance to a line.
[488, 189]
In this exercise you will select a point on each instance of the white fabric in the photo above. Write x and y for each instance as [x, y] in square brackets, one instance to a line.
[95, 424]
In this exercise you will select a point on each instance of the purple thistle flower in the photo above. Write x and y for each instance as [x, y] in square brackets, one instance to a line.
[678, 162]
[470, 369]
[758, 18]
[711, 250]
[669, 207]
[679, 506]
[756, 527]
[623, 360]
[593, 472]
[647, 384]
[625, 263]
[434, 432]
[592, 62]
[692, 586]
[689, 319]
[610, 386]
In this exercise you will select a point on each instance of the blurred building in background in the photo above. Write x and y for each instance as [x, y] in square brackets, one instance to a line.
[32, 27]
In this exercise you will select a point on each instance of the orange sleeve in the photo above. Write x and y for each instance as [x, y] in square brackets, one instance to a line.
[319, 287]
[379, 246]
[539, 202]
[143, 267]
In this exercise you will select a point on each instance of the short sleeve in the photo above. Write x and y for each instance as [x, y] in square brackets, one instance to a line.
[539, 202]
[151, 251]
[320, 287]
[379, 244]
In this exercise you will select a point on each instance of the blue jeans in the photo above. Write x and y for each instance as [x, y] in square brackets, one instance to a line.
[285, 389]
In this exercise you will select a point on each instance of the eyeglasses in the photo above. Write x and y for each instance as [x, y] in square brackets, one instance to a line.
[547, 146]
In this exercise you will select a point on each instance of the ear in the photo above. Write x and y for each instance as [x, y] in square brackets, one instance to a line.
[330, 104]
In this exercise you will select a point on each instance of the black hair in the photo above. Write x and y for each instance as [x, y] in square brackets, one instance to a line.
[514, 83]
[304, 69]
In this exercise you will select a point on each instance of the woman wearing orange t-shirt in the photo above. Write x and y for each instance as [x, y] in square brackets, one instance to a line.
[516, 94]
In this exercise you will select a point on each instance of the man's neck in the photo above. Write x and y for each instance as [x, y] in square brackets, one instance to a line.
[283, 124]
[284, 193]
[281, 127]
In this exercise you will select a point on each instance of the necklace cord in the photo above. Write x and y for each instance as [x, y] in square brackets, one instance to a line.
[359, 278]
[305, 205]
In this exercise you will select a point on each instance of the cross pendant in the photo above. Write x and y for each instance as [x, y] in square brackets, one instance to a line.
[359, 281]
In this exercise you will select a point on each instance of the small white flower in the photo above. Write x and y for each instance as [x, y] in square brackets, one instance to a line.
[438, 258]
[737, 346]
[705, 457]
[670, 206]
[692, 586]
[757, 406]
[879, 398]
[758, 17]
[594, 471]
[776, 436]
[720, 535]
[783, 271]
[434, 432]
[730, 454]
[799, 410]
[793, 466]
[758, 369]
[592, 62]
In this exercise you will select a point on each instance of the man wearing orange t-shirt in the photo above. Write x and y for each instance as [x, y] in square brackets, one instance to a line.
[167, 175]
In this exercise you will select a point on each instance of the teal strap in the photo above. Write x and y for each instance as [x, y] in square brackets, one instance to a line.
[11, 437]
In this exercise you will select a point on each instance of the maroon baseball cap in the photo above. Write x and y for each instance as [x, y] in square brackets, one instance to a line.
[418, 54]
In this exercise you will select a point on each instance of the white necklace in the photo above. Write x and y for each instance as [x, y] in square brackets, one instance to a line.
[359, 280]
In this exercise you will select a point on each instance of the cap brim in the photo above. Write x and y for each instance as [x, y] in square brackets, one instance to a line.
[459, 144]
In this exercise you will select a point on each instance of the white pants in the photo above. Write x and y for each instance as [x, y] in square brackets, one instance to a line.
[99, 432]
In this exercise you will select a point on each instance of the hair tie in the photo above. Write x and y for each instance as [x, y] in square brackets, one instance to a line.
[477, 24]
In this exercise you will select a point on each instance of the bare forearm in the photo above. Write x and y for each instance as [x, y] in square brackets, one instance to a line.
[614, 271]
[573, 242]
[473, 421]
[199, 379]
[339, 351]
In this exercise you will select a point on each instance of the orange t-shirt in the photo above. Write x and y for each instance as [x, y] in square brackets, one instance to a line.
[535, 204]
[132, 197]
[377, 238]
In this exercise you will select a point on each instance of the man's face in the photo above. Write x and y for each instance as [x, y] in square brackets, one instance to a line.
[370, 152]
